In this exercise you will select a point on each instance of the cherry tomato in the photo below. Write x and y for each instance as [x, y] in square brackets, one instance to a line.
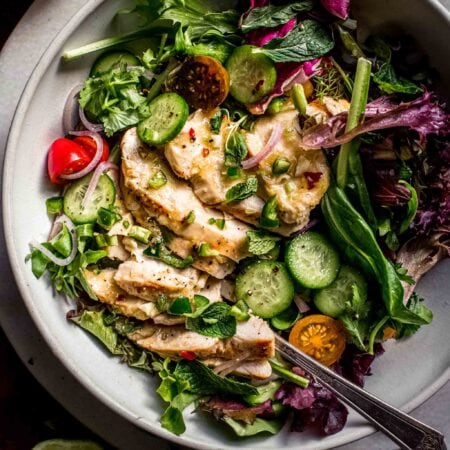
[319, 336]
[89, 145]
[203, 82]
[65, 157]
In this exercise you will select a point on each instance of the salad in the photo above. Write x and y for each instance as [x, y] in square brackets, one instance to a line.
[254, 170]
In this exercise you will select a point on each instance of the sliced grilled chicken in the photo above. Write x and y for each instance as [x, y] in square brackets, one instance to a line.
[217, 266]
[108, 291]
[259, 369]
[172, 203]
[150, 279]
[253, 340]
[200, 159]
[300, 189]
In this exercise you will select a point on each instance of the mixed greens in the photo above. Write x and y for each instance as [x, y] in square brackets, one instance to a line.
[338, 280]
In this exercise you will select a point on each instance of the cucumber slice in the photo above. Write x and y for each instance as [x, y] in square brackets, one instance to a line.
[333, 299]
[312, 260]
[266, 288]
[252, 74]
[108, 60]
[103, 197]
[168, 114]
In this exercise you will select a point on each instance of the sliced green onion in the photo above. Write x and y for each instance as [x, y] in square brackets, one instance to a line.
[280, 166]
[276, 105]
[240, 311]
[158, 180]
[205, 250]
[289, 375]
[289, 187]
[299, 99]
[54, 205]
[85, 230]
[190, 219]
[107, 218]
[112, 240]
[101, 241]
[140, 234]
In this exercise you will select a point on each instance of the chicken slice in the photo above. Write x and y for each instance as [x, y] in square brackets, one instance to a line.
[253, 340]
[173, 202]
[151, 278]
[258, 369]
[201, 161]
[300, 189]
[217, 266]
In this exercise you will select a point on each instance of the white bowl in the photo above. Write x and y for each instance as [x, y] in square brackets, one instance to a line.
[406, 375]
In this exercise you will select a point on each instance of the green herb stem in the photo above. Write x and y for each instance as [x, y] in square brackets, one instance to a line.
[374, 333]
[357, 108]
[288, 375]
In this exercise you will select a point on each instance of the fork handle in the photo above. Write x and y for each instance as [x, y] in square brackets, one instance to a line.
[403, 429]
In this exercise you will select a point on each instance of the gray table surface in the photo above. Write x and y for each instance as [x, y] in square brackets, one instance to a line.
[41, 23]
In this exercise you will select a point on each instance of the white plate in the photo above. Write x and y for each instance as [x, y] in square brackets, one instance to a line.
[422, 360]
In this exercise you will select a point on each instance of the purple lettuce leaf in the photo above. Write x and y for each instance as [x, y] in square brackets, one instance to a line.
[423, 115]
[339, 8]
[236, 410]
[288, 74]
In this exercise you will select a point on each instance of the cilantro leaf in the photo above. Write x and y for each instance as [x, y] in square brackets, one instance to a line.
[261, 243]
[271, 16]
[305, 42]
[241, 191]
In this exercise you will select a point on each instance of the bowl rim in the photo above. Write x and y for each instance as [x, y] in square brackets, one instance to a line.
[50, 52]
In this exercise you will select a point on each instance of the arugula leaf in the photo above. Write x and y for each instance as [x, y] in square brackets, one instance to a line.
[271, 16]
[235, 149]
[243, 429]
[115, 98]
[390, 83]
[261, 243]
[308, 41]
[214, 321]
[241, 191]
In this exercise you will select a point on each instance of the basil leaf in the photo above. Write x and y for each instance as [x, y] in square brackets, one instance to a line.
[235, 149]
[261, 243]
[241, 191]
[215, 321]
[305, 42]
[271, 16]
[388, 81]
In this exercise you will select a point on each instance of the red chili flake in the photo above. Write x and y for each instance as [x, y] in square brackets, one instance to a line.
[205, 152]
[312, 178]
[191, 134]
[186, 354]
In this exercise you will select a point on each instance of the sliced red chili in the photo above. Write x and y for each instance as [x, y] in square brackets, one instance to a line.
[312, 178]
[186, 354]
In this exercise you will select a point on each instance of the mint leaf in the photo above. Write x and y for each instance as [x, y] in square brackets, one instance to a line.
[216, 120]
[214, 321]
[390, 83]
[307, 41]
[261, 243]
[202, 380]
[241, 191]
[235, 149]
[271, 16]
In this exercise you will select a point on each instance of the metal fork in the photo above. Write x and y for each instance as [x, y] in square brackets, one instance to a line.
[403, 429]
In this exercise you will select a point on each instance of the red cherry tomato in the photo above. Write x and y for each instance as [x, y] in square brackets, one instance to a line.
[65, 157]
[89, 145]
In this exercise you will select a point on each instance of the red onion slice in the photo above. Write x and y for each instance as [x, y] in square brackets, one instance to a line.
[97, 127]
[102, 167]
[69, 108]
[267, 150]
[98, 154]
[301, 304]
[73, 234]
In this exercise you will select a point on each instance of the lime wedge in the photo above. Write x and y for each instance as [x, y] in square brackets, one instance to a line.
[64, 444]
